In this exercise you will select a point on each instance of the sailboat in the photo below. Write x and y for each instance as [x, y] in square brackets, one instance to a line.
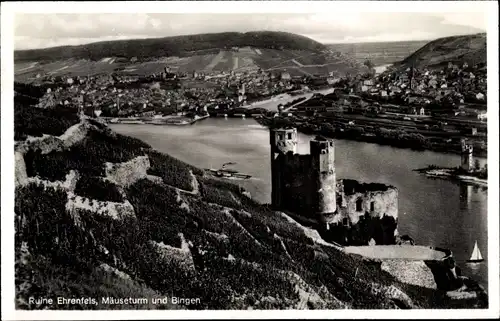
[476, 255]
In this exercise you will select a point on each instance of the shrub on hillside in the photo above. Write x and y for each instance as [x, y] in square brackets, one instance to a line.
[97, 188]
[32, 121]
[219, 196]
[52, 280]
[277, 223]
[173, 171]
[222, 184]
[87, 157]
[45, 225]
[258, 282]
[158, 212]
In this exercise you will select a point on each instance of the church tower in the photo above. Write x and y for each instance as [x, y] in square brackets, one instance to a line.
[282, 142]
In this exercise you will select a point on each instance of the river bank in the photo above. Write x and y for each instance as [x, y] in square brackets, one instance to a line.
[394, 138]
[168, 120]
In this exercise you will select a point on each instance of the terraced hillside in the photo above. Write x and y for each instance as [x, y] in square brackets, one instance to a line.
[379, 53]
[144, 49]
[457, 49]
[99, 214]
[273, 51]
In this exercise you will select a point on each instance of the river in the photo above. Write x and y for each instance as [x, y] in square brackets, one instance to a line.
[434, 212]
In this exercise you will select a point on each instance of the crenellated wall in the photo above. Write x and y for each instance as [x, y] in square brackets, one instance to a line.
[346, 211]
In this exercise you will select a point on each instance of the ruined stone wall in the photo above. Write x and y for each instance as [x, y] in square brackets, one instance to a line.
[384, 203]
[363, 215]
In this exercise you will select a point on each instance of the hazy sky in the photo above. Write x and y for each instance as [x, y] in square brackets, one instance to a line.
[47, 30]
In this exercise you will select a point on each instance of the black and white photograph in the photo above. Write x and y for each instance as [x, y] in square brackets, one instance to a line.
[173, 159]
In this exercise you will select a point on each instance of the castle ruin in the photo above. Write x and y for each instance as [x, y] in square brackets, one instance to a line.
[346, 211]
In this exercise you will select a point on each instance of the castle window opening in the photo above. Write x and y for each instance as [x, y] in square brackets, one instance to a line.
[289, 135]
[359, 205]
[372, 206]
[280, 137]
[345, 221]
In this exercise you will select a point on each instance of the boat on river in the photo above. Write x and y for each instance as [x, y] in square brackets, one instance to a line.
[224, 172]
[476, 256]
[227, 173]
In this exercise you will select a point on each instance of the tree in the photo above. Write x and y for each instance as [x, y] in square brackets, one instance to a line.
[368, 64]
[477, 164]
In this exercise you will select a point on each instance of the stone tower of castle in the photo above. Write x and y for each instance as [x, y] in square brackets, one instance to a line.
[282, 142]
[323, 176]
[467, 157]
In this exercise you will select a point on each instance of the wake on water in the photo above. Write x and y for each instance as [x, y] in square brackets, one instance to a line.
[256, 126]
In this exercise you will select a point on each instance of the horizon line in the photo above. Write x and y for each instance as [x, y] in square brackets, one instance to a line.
[209, 33]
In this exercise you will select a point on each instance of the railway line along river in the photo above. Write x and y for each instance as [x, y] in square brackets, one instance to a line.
[433, 212]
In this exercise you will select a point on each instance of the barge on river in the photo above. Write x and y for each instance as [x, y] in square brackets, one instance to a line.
[227, 173]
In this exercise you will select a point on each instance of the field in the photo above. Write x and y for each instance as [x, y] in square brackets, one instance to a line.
[346, 59]
[380, 53]
[296, 62]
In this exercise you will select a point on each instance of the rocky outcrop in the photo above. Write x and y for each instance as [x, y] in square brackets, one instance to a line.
[20, 173]
[49, 143]
[400, 299]
[115, 271]
[69, 184]
[445, 273]
[410, 272]
[127, 173]
[117, 211]
[194, 183]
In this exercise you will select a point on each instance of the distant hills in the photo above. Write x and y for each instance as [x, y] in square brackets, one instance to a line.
[172, 46]
[232, 51]
[456, 49]
[271, 51]
[379, 53]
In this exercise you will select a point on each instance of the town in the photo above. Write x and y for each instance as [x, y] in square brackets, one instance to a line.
[404, 107]
[332, 165]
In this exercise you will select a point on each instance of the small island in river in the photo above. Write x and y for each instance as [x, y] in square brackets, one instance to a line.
[469, 171]
[479, 177]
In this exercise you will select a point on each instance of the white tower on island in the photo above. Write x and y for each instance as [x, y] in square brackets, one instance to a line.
[467, 156]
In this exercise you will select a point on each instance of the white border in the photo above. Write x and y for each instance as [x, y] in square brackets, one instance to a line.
[9, 9]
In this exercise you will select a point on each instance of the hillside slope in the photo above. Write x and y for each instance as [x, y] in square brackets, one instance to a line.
[272, 51]
[379, 53]
[171, 46]
[456, 49]
[99, 215]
